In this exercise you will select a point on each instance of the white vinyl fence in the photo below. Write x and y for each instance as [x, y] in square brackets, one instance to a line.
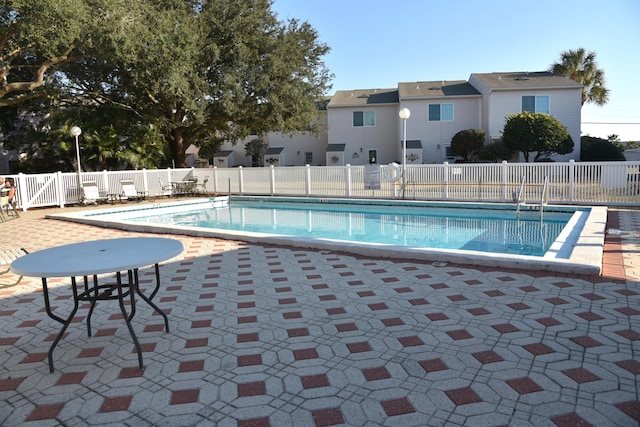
[586, 183]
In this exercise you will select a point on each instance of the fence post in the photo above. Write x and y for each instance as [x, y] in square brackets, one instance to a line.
[572, 165]
[105, 181]
[348, 178]
[145, 182]
[446, 179]
[308, 179]
[505, 182]
[61, 190]
[240, 181]
[272, 179]
[22, 190]
[215, 180]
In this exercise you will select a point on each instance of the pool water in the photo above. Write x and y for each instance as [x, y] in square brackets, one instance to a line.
[487, 230]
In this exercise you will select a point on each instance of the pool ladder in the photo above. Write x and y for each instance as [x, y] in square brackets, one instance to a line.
[518, 199]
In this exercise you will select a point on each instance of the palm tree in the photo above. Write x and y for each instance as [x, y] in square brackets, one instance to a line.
[580, 65]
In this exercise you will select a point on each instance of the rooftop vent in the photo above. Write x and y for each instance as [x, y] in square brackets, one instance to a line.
[363, 96]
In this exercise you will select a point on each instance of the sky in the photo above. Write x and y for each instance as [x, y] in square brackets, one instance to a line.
[379, 43]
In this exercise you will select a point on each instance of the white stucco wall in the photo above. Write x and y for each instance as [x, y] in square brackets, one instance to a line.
[381, 137]
[485, 101]
[436, 135]
[297, 145]
[564, 105]
[239, 157]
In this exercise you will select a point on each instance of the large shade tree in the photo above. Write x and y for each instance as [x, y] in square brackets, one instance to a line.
[42, 49]
[581, 66]
[205, 71]
[198, 72]
[36, 37]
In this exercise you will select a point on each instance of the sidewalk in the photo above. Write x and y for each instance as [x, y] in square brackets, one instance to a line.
[277, 336]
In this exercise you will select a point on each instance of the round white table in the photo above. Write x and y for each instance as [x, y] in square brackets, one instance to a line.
[96, 257]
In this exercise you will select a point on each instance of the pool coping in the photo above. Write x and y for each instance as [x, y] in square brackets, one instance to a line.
[586, 249]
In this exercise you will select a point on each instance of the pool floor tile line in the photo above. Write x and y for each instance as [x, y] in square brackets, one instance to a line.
[270, 335]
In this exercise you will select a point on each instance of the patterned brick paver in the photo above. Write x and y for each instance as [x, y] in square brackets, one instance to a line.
[276, 336]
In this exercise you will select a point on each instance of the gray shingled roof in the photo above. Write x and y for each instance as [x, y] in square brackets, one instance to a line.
[524, 79]
[344, 98]
[436, 89]
[322, 104]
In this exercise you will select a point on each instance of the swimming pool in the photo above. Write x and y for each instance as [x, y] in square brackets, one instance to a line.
[485, 234]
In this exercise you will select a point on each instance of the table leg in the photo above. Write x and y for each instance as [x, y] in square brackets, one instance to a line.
[155, 290]
[128, 317]
[92, 300]
[148, 299]
[65, 323]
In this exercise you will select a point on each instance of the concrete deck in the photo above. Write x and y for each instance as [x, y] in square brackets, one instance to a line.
[276, 336]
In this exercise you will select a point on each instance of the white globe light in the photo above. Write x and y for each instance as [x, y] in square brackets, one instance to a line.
[404, 114]
[76, 131]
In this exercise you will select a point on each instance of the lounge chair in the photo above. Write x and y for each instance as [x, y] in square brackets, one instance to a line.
[129, 191]
[7, 256]
[91, 194]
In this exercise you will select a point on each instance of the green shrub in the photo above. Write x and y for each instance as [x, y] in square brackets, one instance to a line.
[594, 149]
[495, 152]
[468, 143]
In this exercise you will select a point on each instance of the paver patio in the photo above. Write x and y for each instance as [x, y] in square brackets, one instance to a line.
[277, 336]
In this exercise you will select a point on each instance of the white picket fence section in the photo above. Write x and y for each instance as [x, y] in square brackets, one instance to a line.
[586, 183]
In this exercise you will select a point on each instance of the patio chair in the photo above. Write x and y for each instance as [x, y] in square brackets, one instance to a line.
[192, 188]
[166, 190]
[202, 188]
[6, 206]
[7, 256]
[129, 191]
[91, 194]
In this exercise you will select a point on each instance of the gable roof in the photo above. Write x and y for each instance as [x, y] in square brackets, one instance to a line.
[436, 89]
[362, 97]
[526, 80]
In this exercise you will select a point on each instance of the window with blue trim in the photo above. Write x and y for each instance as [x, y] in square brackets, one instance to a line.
[440, 112]
[364, 119]
[535, 104]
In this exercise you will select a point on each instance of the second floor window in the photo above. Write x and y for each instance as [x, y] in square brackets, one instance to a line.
[364, 118]
[440, 112]
[535, 104]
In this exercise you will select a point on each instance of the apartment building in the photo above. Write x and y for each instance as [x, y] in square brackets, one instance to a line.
[363, 126]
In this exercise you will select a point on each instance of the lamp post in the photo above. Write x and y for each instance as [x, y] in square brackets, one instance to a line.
[76, 131]
[404, 114]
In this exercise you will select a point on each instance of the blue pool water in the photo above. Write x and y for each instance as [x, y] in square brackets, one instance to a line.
[487, 230]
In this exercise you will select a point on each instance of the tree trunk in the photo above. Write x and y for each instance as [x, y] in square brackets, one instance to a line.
[177, 148]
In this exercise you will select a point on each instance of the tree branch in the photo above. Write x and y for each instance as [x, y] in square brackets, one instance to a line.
[38, 78]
